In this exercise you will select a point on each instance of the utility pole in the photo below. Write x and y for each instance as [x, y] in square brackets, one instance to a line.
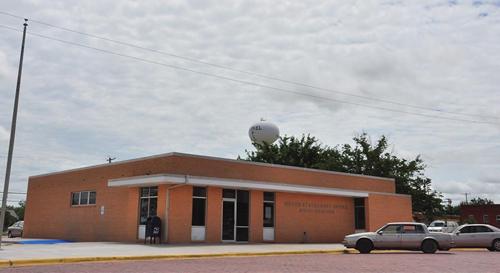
[109, 159]
[466, 200]
[12, 135]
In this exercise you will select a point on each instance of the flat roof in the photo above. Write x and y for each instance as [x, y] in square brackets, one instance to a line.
[210, 158]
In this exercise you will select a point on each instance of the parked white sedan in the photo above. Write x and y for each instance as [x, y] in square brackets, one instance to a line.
[477, 236]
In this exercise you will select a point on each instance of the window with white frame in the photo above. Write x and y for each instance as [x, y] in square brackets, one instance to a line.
[268, 209]
[359, 213]
[498, 218]
[486, 219]
[199, 206]
[149, 203]
[83, 198]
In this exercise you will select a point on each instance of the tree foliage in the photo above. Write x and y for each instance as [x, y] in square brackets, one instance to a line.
[478, 201]
[361, 158]
[14, 214]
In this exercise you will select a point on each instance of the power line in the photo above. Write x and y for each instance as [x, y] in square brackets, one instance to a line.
[13, 192]
[268, 77]
[248, 82]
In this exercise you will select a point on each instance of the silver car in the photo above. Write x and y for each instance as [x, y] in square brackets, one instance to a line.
[404, 235]
[16, 230]
[442, 226]
[477, 236]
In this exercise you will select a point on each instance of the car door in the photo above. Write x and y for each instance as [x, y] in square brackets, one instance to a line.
[412, 236]
[483, 236]
[389, 237]
[465, 237]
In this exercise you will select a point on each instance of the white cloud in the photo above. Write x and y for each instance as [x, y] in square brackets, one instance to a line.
[79, 105]
[4, 135]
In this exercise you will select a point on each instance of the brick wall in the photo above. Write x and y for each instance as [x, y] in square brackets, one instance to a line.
[383, 208]
[313, 218]
[49, 213]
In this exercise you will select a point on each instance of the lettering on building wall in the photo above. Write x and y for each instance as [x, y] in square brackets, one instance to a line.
[314, 207]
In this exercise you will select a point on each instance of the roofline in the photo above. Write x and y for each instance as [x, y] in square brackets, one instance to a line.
[212, 158]
[105, 164]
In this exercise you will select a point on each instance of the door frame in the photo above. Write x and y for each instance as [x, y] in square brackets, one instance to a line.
[222, 218]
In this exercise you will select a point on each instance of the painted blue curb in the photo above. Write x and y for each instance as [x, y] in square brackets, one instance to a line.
[43, 242]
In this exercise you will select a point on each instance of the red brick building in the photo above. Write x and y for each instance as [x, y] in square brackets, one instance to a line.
[481, 214]
[207, 199]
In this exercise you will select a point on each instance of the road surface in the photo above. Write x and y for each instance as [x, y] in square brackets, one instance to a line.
[442, 262]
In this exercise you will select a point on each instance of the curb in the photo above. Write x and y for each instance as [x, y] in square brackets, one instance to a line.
[31, 262]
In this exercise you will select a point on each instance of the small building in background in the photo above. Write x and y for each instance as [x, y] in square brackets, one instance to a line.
[481, 214]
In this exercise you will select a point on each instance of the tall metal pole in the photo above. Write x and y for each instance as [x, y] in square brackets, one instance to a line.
[12, 136]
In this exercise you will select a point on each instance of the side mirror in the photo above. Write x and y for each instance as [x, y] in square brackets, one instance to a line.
[381, 232]
[457, 233]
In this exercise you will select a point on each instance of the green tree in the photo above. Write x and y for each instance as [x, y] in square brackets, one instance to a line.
[14, 214]
[361, 158]
[479, 201]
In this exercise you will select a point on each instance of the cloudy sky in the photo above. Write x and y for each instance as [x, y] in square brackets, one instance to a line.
[435, 59]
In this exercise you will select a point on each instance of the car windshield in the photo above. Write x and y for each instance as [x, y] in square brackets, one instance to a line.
[437, 224]
[456, 229]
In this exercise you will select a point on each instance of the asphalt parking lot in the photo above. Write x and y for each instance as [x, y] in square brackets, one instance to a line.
[392, 261]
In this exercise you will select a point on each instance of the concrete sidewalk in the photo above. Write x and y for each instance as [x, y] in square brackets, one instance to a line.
[18, 254]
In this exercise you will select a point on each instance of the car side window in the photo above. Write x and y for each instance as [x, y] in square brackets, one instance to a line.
[412, 229]
[419, 229]
[392, 229]
[483, 229]
[466, 230]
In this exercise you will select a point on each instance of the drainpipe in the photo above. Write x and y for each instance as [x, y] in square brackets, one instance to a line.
[167, 205]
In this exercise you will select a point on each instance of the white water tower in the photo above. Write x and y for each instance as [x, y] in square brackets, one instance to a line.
[263, 131]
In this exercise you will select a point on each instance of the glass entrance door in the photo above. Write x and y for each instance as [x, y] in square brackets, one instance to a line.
[228, 219]
[235, 208]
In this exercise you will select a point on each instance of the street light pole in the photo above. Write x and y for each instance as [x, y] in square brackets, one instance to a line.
[12, 136]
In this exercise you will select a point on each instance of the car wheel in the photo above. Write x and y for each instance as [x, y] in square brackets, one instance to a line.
[496, 245]
[364, 246]
[9, 234]
[429, 246]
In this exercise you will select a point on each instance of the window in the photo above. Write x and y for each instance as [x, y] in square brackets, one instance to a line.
[468, 229]
[486, 219]
[148, 203]
[498, 218]
[359, 213]
[268, 209]
[242, 209]
[413, 229]
[199, 205]
[475, 229]
[83, 198]
[437, 224]
[392, 229]
[227, 193]
[482, 229]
